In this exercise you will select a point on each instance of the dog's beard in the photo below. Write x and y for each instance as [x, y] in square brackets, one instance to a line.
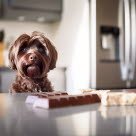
[32, 70]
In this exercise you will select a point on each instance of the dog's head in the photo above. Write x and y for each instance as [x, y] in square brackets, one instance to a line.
[32, 56]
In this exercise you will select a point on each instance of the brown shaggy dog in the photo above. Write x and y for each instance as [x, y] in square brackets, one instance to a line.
[32, 57]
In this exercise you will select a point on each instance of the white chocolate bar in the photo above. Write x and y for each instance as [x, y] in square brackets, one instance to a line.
[82, 91]
[100, 92]
[118, 98]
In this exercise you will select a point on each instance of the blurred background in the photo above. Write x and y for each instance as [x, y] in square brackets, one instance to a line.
[95, 40]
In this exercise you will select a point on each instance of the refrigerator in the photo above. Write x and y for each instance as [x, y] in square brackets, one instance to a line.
[112, 44]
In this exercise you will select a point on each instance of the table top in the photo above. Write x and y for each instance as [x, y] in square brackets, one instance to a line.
[20, 119]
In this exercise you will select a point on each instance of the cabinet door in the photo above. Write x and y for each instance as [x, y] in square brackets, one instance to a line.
[36, 4]
[32, 10]
[0, 8]
[7, 77]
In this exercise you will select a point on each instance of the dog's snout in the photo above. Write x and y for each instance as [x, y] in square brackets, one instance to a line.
[33, 57]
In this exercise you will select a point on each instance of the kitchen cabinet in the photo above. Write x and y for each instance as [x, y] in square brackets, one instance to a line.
[7, 76]
[31, 10]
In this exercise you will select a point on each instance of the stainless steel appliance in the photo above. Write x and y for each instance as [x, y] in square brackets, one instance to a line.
[113, 50]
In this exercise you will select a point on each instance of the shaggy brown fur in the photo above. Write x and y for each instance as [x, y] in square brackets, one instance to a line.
[32, 57]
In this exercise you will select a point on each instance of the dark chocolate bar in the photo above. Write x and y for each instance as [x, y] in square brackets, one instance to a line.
[66, 100]
[31, 98]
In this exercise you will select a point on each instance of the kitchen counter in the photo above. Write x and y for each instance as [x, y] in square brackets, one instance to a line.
[20, 119]
[56, 76]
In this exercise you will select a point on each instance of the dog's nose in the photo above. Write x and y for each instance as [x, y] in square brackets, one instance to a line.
[33, 57]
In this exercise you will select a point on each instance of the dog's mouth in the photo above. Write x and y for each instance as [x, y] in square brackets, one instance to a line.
[33, 70]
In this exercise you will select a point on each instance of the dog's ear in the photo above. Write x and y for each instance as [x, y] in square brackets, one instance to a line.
[11, 58]
[54, 57]
[53, 54]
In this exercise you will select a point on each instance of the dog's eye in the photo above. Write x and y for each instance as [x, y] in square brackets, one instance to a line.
[23, 50]
[41, 49]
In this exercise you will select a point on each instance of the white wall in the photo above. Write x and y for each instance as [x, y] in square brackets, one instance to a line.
[70, 36]
[65, 33]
